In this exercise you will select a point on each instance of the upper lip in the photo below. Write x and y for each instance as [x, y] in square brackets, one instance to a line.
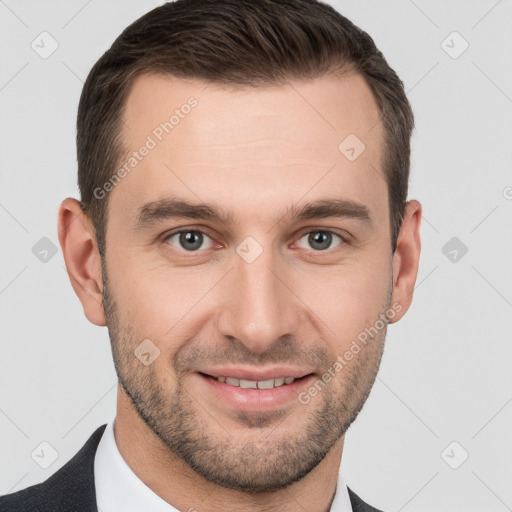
[257, 375]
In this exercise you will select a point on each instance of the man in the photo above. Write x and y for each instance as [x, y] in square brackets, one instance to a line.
[245, 235]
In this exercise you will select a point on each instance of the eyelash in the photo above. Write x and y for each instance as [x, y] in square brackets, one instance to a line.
[344, 239]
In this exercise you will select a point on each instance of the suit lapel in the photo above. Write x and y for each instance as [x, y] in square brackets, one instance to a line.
[358, 505]
[72, 487]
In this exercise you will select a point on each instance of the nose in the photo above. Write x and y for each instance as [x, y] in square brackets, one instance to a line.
[257, 303]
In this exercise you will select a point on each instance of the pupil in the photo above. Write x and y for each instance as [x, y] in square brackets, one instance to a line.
[188, 238]
[322, 238]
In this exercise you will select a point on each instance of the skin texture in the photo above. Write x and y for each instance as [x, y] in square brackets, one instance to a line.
[255, 152]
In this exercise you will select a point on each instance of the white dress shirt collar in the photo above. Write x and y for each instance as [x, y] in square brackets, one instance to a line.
[118, 489]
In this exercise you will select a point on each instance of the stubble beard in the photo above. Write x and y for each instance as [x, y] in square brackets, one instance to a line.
[273, 455]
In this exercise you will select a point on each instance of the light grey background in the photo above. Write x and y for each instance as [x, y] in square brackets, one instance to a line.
[445, 374]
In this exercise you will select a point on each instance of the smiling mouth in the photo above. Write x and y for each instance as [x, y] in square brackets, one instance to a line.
[253, 384]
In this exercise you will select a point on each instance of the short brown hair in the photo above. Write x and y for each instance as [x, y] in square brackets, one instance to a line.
[238, 43]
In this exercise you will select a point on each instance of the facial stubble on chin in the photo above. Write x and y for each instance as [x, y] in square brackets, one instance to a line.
[271, 457]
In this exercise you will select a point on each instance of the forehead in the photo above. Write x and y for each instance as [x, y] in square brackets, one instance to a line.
[254, 148]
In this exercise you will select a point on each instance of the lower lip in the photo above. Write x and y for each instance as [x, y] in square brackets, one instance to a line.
[256, 399]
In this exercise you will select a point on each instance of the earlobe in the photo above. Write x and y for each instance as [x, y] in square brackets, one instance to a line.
[83, 263]
[406, 258]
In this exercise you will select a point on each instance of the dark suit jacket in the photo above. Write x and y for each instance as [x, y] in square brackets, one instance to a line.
[71, 488]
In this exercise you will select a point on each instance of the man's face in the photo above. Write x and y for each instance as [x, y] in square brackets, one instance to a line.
[258, 290]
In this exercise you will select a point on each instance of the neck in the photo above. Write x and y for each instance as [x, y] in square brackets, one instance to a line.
[175, 482]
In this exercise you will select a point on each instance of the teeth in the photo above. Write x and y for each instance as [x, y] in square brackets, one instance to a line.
[266, 384]
[253, 384]
[246, 384]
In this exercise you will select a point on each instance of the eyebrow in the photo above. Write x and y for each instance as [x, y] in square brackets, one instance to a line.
[154, 212]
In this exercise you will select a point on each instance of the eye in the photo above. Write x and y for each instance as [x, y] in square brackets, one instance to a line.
[320, 240]
[190, 240]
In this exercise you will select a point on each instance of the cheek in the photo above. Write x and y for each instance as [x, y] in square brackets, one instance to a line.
[349, 298]
[157, 301]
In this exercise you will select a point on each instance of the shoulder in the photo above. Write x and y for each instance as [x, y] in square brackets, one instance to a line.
[358, 505]
[70, 489]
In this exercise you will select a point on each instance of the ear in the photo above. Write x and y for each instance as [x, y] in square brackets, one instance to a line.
[78, 242]
[406, 259]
